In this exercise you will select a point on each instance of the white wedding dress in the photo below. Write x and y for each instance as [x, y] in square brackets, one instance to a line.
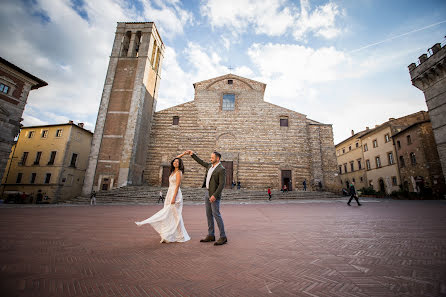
[168, 222]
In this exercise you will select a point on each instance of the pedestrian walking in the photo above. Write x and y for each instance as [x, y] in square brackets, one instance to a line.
[93, 198]
[305, 184]
[353, 194]
[269, 194]
[161, 197]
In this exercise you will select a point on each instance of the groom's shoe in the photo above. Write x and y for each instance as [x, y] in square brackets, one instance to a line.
[208, 238]
[221, 241]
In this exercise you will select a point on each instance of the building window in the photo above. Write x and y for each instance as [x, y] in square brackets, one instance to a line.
[402, 163]
[367, 164]
[359, 165]
[59, 133]
[353, 180]
[366, 148]
[394, 181]
[176, 120]
[230, 81]
[349, 148]
[375, 143]
[73, 160]
[413, 160]
[386, 138]
[398, 144]
[47, 178]
[352, 166]
[37, 160]
[362, 179]
[343, 150]
[33, 178]
[228, 102]
[30, 134]
[378, 162]
[44, 133]
[357, 144]
[345, 168]
[19, 178]
[409, 140]
[390, 157]
[340, 169]
[4, 88]
[284, 122]
[24, 157]
[52, 157]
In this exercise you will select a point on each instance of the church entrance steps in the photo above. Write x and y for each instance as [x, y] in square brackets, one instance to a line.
[148, 194]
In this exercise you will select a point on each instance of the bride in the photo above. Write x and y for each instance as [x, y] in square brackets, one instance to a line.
[168, 222]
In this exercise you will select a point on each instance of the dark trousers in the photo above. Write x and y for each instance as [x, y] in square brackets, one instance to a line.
[160, 198]
[353, 196]
[213, 212]
[269, 196]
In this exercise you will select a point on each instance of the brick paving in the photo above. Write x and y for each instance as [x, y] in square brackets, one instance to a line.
[385, 248]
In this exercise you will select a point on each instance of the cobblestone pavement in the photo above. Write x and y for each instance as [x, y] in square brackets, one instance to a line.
[385, 248]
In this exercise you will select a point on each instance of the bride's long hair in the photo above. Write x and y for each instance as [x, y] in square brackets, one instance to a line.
[180, 165]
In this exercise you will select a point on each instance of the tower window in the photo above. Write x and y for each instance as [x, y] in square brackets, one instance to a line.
[228, 102]
[284, 122]
[176, 120]
[230, 81]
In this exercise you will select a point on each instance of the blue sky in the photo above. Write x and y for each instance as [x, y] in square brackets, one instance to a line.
[339, 62]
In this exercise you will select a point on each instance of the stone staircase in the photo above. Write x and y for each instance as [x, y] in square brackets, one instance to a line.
[149, 194]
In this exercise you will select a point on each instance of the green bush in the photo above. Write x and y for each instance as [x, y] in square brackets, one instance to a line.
[368, 191]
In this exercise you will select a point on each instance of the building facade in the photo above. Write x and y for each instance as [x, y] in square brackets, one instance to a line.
[430, 77]
[52, 159]
[262, 145]
[351, 162]
[119, 147]
[15, 85]
[419, 163]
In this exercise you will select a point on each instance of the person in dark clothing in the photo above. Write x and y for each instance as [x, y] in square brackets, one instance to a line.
[269, 194]
[305, 184]
[39, 197]
[238, 185]
[353, 194]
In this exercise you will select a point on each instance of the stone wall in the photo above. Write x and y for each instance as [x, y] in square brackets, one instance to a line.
[250, 136]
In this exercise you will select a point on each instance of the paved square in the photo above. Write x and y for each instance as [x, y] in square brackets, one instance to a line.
[386, 248]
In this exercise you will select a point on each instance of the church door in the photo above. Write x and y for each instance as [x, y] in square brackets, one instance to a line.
[165, 177]
[286, 179]
[228, 165]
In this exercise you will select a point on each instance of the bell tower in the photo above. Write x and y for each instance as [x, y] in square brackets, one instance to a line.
[118, 150]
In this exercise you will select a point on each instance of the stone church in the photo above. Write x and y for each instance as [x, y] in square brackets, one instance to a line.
[262, 145]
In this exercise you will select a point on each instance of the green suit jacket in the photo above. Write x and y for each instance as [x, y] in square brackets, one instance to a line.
[218, 178]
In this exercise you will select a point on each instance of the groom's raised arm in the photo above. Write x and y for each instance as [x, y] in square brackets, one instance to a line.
[199, 161]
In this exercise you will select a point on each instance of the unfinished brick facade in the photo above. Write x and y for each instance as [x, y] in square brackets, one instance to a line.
[257, 150]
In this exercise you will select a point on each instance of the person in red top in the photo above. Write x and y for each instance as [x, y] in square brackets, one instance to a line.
[269, 193]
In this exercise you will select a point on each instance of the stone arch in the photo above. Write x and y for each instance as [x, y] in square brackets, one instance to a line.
[226, 78]
[226, 142]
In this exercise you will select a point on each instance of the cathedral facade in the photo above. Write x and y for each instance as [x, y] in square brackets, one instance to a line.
[262, 145]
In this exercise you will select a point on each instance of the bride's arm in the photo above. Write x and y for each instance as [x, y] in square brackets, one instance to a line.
[177, 186]
[181, 155]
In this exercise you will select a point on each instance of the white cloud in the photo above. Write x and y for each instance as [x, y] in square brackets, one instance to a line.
[273, 17]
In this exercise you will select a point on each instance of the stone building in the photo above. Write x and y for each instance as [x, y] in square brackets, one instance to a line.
[351, 162]
[419, 163]
[262, 145]
[15, 85]
[119, 146]
[50, 158]
[430, 77]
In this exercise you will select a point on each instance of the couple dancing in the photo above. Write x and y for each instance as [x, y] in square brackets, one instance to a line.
[168, 222]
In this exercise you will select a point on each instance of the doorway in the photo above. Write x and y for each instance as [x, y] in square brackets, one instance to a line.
[382, 187]
[286, 179]
[228, 165]
[165, 176]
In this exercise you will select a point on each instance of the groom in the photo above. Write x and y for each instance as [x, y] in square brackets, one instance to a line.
[214, 181]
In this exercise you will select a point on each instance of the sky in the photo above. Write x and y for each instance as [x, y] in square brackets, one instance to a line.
[338, 62]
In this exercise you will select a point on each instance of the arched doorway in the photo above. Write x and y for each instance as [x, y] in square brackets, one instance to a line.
[382, 186]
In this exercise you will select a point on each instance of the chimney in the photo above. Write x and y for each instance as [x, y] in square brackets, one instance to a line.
[376, 126]
[367, 128]
[436, 48]
[70, 122]
[423, 58]
[391, 119]
[353, 132]
[81, 125]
